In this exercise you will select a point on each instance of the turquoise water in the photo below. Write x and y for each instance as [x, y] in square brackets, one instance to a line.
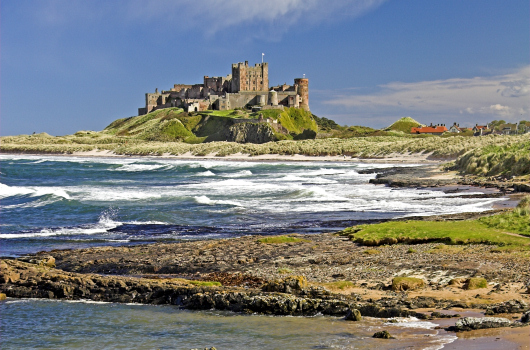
[44, 324]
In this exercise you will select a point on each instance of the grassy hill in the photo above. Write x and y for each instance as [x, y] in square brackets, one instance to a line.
[173, 124]
[404, 125]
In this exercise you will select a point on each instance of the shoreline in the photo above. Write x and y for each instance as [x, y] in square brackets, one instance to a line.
[201, 252]
[414, 158]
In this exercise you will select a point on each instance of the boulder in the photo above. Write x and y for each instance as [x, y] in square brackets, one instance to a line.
[526, 317]
[471, 323]
[383, 335]
[407, 283]
[353, 315]
[2, 296]
[475, 283]
[291, 285]
[508, 307]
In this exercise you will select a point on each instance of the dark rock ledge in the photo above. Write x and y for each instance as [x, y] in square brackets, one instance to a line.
[19, 279]
[25, 280]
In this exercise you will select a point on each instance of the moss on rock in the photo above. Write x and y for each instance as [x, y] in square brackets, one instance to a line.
[407, 283]
[475, 283]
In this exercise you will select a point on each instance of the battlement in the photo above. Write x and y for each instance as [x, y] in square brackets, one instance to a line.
[247, 85]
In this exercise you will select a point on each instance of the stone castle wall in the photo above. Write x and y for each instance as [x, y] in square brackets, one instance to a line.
[246, 86]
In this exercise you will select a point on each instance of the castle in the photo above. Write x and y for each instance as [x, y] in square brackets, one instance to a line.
[246, 86]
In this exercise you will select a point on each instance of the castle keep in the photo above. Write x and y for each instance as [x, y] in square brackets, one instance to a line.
[246, 86]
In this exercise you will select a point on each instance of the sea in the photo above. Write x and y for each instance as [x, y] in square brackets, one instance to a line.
[62, 202]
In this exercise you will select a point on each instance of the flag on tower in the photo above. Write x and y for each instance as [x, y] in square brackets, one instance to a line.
[262, 57]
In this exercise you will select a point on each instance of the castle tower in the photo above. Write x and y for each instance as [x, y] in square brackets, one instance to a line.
[303, 91]
[273, 98]
[245, 78]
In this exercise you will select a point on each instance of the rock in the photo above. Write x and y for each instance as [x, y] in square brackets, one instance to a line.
[291, 285]
[383, 335]
[2, 296]
[249, 133]
[471, 323]
[508, 307]
[526, 317]
[353, 315]
[406, 283]
[475, 283]
[43, 260]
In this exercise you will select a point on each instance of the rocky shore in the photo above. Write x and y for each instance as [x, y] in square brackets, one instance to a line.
[305, 275]
[434, 176]
[323, 273]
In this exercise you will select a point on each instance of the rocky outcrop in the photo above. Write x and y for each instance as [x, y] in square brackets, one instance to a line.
[25, 280]
[526, 317]
[508, 307]
[291, 285]
[249, 133]
[472, 323]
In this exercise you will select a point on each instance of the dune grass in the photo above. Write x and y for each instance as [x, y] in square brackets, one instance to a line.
[508, 159]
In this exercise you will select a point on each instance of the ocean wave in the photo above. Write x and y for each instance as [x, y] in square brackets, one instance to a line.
[12, 191]
[206, 173]
[142, 167]
[239, 174]
[208, 201]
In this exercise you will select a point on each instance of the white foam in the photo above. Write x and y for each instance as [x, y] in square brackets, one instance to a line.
[141, 167]
[239, 174]
[206, 173]
[411, 322]
[36, 191]
[208, 201]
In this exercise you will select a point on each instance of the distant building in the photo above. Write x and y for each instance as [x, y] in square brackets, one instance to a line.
[432, 129]
[246, 86]
[479, 130]
[455, 128]
[507, 129]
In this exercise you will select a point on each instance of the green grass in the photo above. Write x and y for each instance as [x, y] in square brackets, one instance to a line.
[403, 125]
[515, 221]
[281, 239]
[448, 232]
[371, 252]
[284, 270]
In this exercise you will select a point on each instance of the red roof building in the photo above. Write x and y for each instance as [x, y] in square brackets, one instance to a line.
[432, 130]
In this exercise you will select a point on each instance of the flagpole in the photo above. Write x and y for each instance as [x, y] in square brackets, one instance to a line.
[262, 57]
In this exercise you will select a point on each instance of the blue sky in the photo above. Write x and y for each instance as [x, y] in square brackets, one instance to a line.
[68, 65]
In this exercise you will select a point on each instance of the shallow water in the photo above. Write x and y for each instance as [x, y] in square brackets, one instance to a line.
[44, 324]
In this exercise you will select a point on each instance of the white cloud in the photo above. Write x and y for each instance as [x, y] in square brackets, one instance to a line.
[503, 96]
[206, 16]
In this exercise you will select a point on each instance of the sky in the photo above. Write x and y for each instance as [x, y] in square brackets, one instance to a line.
[69, 65]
